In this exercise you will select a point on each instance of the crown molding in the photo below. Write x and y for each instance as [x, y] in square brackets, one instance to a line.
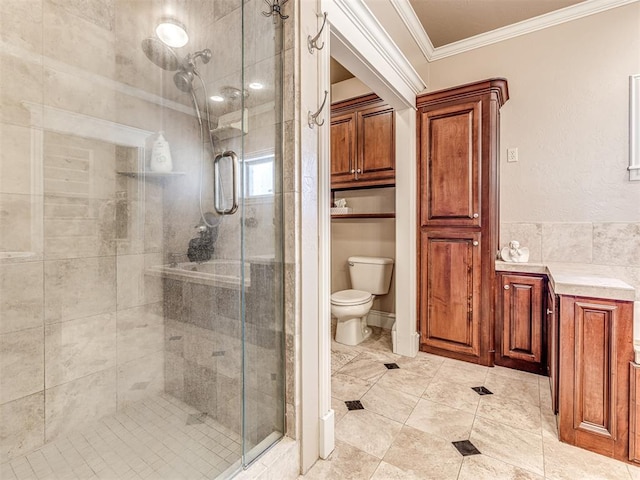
[414, 26]
[567, 14]
[367, 25]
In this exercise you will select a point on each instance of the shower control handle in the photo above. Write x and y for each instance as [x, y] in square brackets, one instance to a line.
[217, 190]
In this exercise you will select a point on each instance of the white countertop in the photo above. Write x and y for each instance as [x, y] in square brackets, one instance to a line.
[583, 280]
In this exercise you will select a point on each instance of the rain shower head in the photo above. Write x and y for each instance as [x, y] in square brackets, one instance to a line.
[160, 54]
[165, 57]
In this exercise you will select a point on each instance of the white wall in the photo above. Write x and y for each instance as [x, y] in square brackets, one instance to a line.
[567, 115]
[350, 88]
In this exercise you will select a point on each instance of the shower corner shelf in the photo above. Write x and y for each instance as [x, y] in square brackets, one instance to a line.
[151, 174]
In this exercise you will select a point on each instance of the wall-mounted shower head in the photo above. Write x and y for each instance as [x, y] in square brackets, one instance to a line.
[187, 72]
[184, 80]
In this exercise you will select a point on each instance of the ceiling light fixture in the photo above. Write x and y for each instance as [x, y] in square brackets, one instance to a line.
[172, 33]
[256, 86]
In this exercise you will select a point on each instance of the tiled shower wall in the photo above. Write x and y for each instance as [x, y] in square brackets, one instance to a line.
[81, 326]
[81, 330]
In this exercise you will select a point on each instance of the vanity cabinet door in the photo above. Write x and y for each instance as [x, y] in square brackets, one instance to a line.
[595, 352]
[519, 332]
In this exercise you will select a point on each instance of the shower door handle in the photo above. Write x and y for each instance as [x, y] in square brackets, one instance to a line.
[216, 183]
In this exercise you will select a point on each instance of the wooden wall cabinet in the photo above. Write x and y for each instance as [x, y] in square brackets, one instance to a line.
[595, 352]
[458, 218]
[520, 309]
[362, 143]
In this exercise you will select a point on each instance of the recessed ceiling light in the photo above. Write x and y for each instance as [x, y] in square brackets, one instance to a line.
[216, 98]
[256, 86]
[172, 33]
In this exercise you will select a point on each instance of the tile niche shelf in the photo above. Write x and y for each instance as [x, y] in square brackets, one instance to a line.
[151, 174]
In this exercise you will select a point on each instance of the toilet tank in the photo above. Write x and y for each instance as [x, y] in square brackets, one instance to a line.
[371, 274]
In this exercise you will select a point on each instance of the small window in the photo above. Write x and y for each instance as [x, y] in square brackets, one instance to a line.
[258, 176]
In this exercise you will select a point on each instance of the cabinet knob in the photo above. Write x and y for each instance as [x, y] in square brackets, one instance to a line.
[353, 171]
[506, 287]
[475, 243]
[475, 215]
[549, 311]
[359, 171]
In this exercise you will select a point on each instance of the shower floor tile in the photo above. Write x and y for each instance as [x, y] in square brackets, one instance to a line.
[160, 438]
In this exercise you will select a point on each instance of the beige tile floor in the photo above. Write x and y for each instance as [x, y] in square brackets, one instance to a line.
[412, 414]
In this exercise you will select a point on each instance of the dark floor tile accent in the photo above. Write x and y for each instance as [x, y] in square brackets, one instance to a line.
[196, 418]
[354, 405]
[391, 366]
[482, 390]
[466, 448]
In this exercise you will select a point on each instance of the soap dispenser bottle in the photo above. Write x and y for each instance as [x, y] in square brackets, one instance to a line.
[161, 155]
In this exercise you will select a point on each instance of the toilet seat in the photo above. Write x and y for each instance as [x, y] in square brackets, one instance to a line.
[350, 297]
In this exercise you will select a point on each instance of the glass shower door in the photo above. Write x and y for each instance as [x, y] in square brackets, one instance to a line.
[205, 275]
[262, 239]
[140, 237]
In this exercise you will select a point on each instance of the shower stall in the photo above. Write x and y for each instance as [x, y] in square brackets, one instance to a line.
[141, 238]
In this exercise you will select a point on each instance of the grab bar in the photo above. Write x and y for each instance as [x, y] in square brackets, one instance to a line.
[217, 186]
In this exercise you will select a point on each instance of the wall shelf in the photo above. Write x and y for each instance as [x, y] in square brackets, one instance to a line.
[365, 215]
[151, 174]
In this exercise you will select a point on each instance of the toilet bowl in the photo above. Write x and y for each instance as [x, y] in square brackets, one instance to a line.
[370, 276]
[351, 307]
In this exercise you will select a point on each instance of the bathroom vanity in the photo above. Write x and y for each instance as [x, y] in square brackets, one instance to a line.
[580, 333]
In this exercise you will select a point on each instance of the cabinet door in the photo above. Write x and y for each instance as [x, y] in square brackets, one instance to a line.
[450, 165]
[519, 326]
[376, 145]
[595, 351]
[343, 148]
[552, 346]
[450, 293]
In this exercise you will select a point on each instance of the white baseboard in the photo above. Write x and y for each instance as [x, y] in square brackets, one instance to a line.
[381, 319]
[327, 434]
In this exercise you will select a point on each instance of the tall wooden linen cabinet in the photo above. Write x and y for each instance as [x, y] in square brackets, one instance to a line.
[458, 142]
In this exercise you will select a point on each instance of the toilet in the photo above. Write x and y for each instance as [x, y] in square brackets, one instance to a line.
[370, 276]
